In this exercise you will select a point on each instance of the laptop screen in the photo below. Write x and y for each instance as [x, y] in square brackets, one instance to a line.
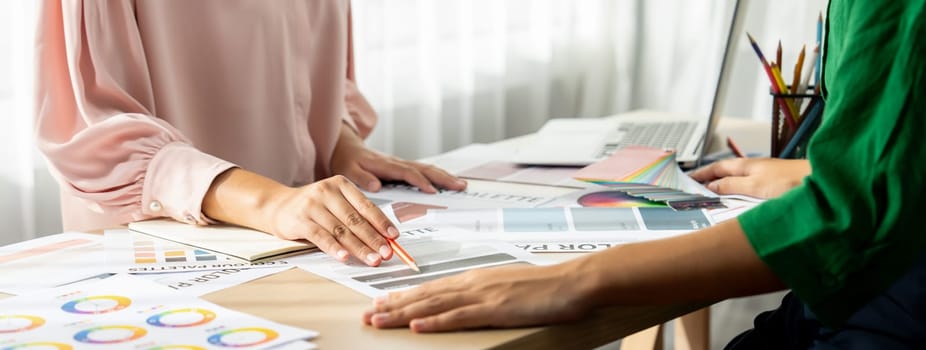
[734, 36]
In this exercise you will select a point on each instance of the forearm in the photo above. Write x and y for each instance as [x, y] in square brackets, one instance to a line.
[239, 197]
[716, 263]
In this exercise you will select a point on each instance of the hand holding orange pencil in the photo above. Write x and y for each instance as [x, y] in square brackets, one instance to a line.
[403, 255]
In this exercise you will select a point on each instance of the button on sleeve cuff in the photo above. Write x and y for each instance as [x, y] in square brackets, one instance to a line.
[176, 181]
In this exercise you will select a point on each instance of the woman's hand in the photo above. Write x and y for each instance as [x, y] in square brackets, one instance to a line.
[497, 297]
[756, 177]
[331, 213]
[365, 167]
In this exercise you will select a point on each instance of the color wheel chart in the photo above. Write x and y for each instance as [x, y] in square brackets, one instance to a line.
[42, 345]
[110, 334]
[190, 317]
[141, 316]
[19, 323]
[243, 337]
[99, 304]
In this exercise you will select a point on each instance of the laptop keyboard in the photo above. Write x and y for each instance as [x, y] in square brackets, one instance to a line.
[670, 135]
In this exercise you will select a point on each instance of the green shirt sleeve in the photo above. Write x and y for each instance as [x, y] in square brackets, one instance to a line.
[857, 223]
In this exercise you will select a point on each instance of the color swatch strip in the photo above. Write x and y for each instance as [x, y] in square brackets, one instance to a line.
[149, 252]
[648, 173]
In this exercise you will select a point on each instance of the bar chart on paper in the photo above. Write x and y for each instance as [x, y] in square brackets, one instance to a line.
[140, 253]
[439, 253]
[150, 250]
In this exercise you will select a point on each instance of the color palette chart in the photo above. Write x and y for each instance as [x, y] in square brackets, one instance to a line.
[150, 250]
[648, 173]
[573, 225]
[136, 252]
[124, 312]
[634, 164]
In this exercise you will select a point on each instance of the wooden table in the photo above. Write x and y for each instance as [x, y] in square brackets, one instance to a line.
[302, 299]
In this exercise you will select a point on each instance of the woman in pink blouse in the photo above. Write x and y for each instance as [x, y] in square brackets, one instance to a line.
[215, 110]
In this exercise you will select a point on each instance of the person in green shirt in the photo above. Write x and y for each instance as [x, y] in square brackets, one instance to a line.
[846, 239]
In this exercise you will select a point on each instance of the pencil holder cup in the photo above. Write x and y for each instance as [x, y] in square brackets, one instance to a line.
[795, 117]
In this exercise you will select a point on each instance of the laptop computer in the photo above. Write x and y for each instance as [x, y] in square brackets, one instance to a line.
[579, 142]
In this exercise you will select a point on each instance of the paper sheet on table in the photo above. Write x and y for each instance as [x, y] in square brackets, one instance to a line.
[504, 171]
[467, 157]
[125, 312]
[51, 261]
[571, 229]
[132, 252]
[439, 252]
[198, 283]
[408, 203]
[736, 205]
[485, 162]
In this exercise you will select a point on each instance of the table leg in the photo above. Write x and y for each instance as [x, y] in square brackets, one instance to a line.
[647, 339]
[693, 331]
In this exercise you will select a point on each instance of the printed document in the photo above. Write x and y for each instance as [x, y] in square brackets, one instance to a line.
[125, 312]
[439, 252]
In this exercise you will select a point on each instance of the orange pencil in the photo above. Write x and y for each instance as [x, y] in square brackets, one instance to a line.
[796, 82]
[403, 255]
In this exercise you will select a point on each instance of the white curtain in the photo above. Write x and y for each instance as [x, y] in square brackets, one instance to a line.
[28, 196]
[446, 73]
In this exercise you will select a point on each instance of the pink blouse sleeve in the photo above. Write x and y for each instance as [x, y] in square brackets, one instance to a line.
[360, 115]
[96, 121]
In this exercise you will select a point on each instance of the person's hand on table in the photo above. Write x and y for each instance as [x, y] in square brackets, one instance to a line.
[331, 213]
[756, 177]
[366, 167]
[497, 297]
[334, 215]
